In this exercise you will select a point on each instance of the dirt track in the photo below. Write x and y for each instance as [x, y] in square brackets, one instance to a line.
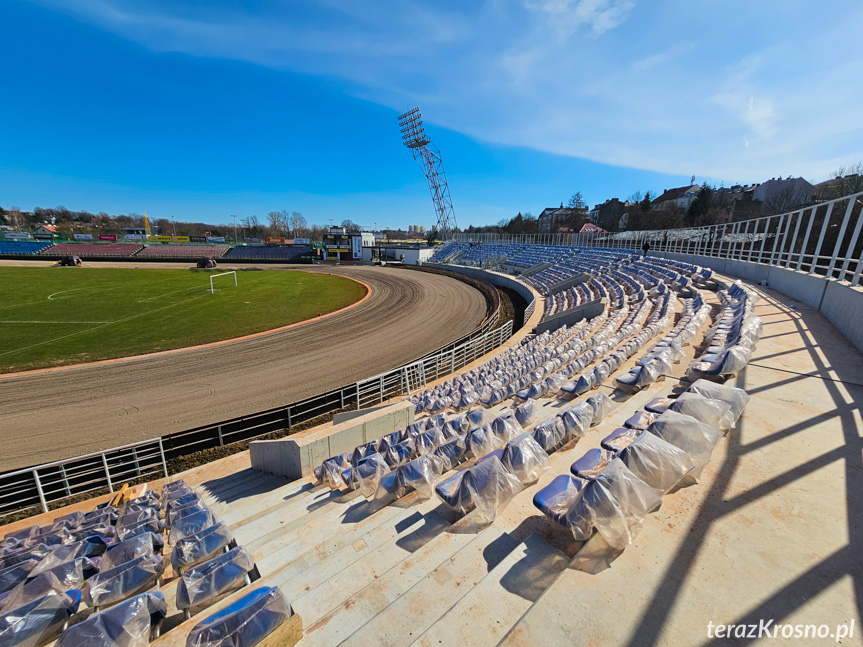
[49, 416]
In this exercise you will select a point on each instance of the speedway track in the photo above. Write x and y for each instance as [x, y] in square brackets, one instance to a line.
[58, 414]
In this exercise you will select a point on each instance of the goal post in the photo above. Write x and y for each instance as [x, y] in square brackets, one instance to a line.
[213, 276]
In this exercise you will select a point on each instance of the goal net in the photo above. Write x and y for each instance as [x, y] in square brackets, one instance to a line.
[215, 276]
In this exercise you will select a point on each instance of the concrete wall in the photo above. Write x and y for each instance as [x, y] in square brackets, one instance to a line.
[300, 454]
[837, 300]
[495, 278]
[571, 282]
[572, 316]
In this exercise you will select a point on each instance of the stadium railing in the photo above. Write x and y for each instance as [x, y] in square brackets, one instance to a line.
[50, 483]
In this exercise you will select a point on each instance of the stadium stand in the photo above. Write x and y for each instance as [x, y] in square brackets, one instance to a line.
[97, 578]
[91, 250]
[284, 252]
[183, 251]
[23, 248]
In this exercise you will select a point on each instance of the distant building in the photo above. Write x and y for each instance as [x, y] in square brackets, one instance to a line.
[417, 230]
[680, 197]
[590, 228]
[777, 195]
[553, 218]
[607, 215]
[45, 231]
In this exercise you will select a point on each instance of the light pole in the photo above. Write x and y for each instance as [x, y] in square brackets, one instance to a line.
[173, 226]
[235, 228]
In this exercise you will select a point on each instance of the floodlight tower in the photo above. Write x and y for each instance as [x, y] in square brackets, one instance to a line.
[429, 159]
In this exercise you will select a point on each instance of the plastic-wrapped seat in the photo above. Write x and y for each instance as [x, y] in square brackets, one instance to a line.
[506, 427]
[423, 473]
[366, 474]
[576, 419]
[97, 528]
[525, 412]
[640, 420]
[130, 624]
[34, 551]
[554, 499]
[454, 450]
[44, 584]
[125, 551]
[525, 459]
[693, 437]
[39, 621]
[659, 464]
[427, 440]
[137, 516]
[602, 406]
[620, 438]
[710, 411]
[13, 575]
[589, 466]
[550, 434]
[361, 451]
[91, 547]
[332, 468]
[200, 585]
[200, 546]
[155, 526]
[190, 524]
[615, 503]
[400, 453]
[735, 398]
[487, 486]
[244, 622]
[124, 581]
[481, 441]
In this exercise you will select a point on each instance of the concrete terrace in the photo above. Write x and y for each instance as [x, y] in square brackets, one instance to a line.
[772, 532]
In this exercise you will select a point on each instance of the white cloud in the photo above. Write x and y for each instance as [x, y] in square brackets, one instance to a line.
[733, 94]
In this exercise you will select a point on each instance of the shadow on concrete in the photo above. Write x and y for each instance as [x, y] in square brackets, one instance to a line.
[242, 485]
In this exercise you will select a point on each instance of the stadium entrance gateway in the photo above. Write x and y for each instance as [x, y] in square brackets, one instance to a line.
[341, 245]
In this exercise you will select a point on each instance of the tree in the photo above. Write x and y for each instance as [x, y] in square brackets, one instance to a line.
[350, 226]
[845, 180]
[576, 201]
[298, 222]
[701, 204]
[277, 222]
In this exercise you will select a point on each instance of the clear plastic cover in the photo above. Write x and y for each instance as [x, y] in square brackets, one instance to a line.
[243, 623]
[454, 450]
[482, 441]
[201, 584]
[487, 486]
[400, 453]
[41, 585]
[101, 529]
[550, 434]
[602, 406]
[125, 551]
[710, 411]
[659, 464]
[577, 419]
[640, 420]
[124, 581]
[200, 546]
[128, 624]
[429, 439]
[736, 398]
[478, 416]
[423, 473]
[37, 622]
[525, 459]
[592, 464]
[555, 498]
[506, 427]
[136, 517]
[693, 437]
[615, 504]
[12, 576]
[332, 469]
[150, 525]
[361, 451]
[90, 547]
[367, 473]
[526, 412]
[190, 524]
[180, 502]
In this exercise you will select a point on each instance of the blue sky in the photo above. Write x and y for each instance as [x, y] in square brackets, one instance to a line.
[203, 109]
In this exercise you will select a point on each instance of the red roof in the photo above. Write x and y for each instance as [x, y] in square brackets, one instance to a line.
[670, 194]
[590, 228]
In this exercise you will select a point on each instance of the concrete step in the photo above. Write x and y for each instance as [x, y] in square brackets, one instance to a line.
[491, 608]
[388, 582]
[408, 616]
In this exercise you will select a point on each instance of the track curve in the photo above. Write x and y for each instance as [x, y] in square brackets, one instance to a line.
[56, 415]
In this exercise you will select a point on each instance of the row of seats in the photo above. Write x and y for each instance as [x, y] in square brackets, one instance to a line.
[611, 490]
[731, 339]
[285, 252]
[23, 248]
[172, 250]
[92, 249]
[110, 560]
[668, 350]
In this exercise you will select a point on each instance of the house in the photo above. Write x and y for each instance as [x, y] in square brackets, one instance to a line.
[607, 215]
[777, 195]
[553, 218]
[45, 231]
[680, 197]
[590, 228]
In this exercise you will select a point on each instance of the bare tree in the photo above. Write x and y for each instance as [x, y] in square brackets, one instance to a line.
[277, 222]
[576, 201]
[298, 223]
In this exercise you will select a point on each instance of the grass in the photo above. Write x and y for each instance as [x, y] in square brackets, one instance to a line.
[52, 316]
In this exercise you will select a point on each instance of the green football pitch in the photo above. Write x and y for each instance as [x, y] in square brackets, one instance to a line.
[52, 316]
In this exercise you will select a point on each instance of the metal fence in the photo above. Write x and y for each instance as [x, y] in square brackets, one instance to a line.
[414, 377]
[821, 239]
[42, 485]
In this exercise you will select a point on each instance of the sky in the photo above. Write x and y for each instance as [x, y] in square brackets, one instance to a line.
[202, 109]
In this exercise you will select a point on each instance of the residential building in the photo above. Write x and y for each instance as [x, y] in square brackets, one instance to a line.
[680, 197]
[777, 195]
[553, 218]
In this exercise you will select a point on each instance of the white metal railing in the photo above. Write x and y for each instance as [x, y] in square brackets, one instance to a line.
[821, 239]
[414, 377]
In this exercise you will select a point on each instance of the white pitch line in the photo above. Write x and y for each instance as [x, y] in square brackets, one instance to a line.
[56, 322]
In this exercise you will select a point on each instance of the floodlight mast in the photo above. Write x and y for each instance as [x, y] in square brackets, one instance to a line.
[428, 157]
